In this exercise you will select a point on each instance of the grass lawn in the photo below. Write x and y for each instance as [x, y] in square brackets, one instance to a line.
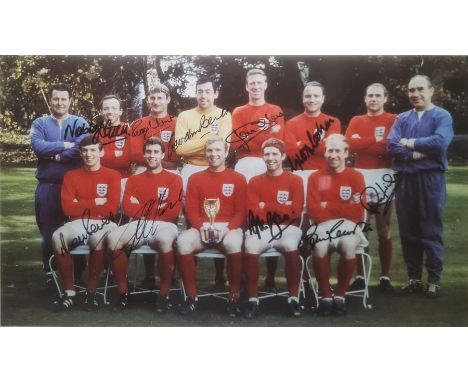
[24, 301]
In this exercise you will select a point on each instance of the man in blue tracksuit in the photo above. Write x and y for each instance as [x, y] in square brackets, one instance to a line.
[418, 143]
[55, 140]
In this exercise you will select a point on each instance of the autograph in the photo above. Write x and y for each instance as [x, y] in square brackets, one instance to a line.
[383, 194]
[333, 233]
[275, 222]
[307, 151]
[262, 125]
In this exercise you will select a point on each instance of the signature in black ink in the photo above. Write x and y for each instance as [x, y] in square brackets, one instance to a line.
[333, 233]
[204, 123]
[275, 222]
[382, 195]
[307, 151]
[260, 126]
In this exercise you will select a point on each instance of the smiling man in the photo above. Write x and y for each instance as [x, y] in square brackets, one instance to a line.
[152, 200]
[367, 136]
[56, 153]
[273, 197]
[418, 143]
[90, 198]
[334, 198]
[226, 189]
[308, 130]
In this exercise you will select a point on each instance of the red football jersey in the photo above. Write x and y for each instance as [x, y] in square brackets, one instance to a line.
[147, 127]
[81, 187]
[369, 153]
[252, 125]
[231, 189]
[117, 152]
[337, 189]
[307, 134]
[159, 196]
[275, 191]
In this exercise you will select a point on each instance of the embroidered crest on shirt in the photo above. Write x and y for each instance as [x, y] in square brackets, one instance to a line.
[345, 192]
[214, 127]
[119, 143]
[166, 136]
[163, 193]
[228, 189]
[282, 196]
[379, 131]
[101, 189]
[263, 123]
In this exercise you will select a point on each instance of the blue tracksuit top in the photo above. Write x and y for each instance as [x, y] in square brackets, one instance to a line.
[47, 139]
[433, 134]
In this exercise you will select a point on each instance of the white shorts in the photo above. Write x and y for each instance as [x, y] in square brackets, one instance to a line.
[80, 234]
[272, 235]
[188, 170]
[380, 184]
[322, 233]
[152, 227]
[250, 167]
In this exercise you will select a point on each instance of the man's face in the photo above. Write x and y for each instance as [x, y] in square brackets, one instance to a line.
[420, 93]
[111, 111]
[375, 99]
[313, 99]
[153, 156]
[157, 103]
[336, 154]
[216, 154]
[206, 95]
[273, 158]
[59, 103]
[256, 86]
[91, 155]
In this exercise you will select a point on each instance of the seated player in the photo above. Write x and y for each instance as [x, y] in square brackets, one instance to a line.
[335, 200]
[275, 205]
[222, 191]
[90, 197]
[153, 200]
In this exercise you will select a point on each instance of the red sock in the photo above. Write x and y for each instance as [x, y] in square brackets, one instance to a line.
[165, 269]
[322, 273]
[234, 273]
[64, 263]
[119, 265]
[95, 268]
[345, 273]
[385, 255]
[252, 272]
[292, 269]
[186, 264]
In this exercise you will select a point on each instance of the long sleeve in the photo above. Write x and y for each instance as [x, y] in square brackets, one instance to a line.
[240, 205]
[192, 204]
[440, 140]
[315, 211]
[131, 209]
[394, 148]
[40, 145]
[113, 197]
[72, 204]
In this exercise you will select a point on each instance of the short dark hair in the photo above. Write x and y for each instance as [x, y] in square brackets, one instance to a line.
[89, 140]
[160, 88]
[274, 142]
[314, 83]
[205, 79]
[153, 141]
[110, 96]
[61, 88]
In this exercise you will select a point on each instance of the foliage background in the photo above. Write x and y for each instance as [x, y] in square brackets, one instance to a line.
[91, 77]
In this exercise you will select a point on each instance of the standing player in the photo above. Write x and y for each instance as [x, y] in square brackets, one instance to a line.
[230, 189]
[308, 130]
[275, 199]
[90, 197]
[153, 200]
[252, 125]
[367, 136]
[159, 123]
[194, 127]
[418, 141]
[57, 152]
[334, 205]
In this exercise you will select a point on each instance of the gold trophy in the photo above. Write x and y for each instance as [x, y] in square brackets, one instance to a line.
[211, 207]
